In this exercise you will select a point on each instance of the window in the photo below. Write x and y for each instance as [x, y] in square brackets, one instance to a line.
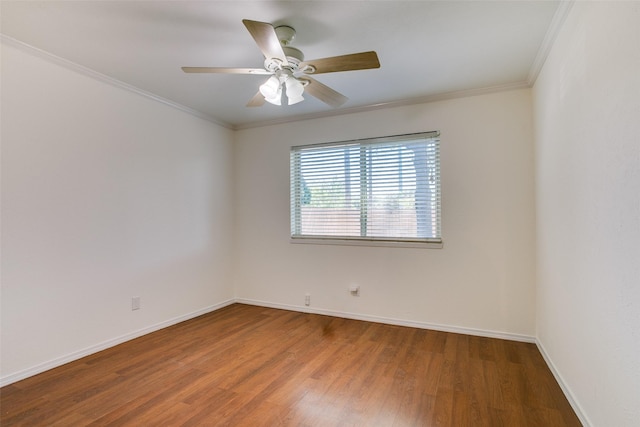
[380, 190]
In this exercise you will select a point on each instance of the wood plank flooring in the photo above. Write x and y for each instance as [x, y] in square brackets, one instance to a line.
[254, 366]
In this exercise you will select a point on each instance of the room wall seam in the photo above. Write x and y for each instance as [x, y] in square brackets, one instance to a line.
[577, 408]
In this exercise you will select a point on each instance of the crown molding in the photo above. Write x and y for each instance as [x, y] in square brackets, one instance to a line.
[81, 69]
[554, 27]
[385, 105]
[550, 37]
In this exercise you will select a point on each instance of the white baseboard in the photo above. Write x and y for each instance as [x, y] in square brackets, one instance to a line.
[563, 385]
[12, 378]
[392, 321]
[454, 329]
[9, 379]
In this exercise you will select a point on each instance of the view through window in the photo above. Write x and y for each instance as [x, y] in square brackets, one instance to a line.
[384, 189]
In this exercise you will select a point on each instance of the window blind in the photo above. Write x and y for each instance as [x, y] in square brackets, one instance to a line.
[375, 189]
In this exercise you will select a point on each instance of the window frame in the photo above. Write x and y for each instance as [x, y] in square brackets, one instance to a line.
[295, 206]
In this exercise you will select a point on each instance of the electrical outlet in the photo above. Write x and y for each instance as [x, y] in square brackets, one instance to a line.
[135, 303]
[307, 299]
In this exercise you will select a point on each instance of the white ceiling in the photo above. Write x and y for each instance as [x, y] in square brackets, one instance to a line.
[426, 49]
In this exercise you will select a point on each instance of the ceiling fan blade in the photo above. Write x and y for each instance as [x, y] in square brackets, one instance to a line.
[267, 40]
[256, 101]
[354, 61]
[324, 93]
[225, 70]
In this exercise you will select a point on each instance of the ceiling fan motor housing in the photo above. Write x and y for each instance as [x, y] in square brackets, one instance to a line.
[285, 34]
[294, 57]
[287, 67]
[293, 54]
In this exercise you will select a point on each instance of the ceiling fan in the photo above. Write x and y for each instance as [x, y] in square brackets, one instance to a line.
[290, 73]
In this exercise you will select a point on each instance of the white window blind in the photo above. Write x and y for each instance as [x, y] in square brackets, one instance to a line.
[375, 189]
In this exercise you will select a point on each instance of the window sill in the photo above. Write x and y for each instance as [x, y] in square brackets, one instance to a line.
[365, 242]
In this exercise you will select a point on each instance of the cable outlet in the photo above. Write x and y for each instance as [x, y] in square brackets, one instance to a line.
[135, 303]
[307, 299]
[355, 290]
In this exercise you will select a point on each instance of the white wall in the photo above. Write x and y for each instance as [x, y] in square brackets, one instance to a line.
[482, 279]
[106, 195]
[587, 122]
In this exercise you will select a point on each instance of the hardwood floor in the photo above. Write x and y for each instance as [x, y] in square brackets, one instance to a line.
[255, 366]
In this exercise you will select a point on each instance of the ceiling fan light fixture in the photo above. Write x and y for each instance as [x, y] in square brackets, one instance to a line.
[283, 61]
[272, 91]
[270, 88]
[291, 100]
[295, 89]
[275, 99]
